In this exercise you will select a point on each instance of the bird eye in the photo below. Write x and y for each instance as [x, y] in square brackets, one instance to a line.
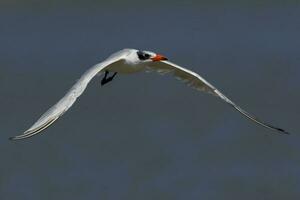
[142, 55]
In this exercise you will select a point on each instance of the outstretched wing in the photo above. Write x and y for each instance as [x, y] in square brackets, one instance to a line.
[196, 81]
[69, 99]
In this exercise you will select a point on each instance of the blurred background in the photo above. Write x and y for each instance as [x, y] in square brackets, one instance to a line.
[146, 136]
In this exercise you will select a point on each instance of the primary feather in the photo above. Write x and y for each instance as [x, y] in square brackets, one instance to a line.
[69, 99]
[196, 81]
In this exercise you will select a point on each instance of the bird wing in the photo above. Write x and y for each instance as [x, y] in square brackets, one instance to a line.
[196, 81]
[68, 100]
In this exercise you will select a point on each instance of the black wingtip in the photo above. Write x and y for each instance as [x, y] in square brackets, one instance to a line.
[283, 131]
[280, 130]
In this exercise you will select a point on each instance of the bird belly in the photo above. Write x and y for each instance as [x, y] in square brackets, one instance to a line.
[124, 68]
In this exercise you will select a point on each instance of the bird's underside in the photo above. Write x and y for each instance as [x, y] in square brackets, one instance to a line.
[131, 61]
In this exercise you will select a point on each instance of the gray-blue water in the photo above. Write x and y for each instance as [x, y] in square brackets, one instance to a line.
[147, 136]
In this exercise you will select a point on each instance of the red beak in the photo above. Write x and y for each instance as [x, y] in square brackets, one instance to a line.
[158, 58]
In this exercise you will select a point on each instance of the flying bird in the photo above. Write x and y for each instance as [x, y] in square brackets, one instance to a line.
[129, 61]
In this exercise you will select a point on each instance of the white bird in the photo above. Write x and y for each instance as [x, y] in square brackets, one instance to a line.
[124, 62]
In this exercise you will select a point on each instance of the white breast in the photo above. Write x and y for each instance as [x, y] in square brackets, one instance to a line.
[125, 68]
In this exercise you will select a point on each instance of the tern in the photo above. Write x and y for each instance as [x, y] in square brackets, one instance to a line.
[129, 61]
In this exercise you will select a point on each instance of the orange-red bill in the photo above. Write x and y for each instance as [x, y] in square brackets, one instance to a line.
[158, 58]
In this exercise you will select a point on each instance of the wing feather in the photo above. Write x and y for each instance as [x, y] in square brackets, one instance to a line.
[196, 81]
[69, 99]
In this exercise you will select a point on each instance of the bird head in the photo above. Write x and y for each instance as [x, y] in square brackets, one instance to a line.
[138, 57]
[149, 56]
